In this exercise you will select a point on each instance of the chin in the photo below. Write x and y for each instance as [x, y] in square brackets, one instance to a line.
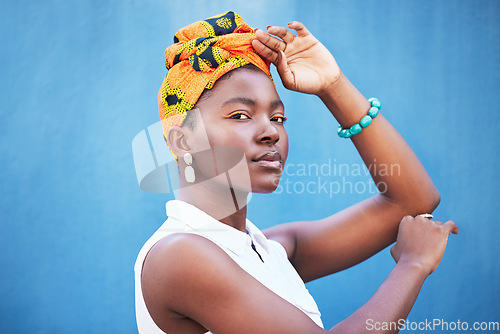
[266, 186]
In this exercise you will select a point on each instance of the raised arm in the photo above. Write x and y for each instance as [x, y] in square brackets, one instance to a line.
[332, 244]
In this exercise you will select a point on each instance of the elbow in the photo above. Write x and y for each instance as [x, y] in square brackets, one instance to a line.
[423, 202]
[426, 203]
[434, 200]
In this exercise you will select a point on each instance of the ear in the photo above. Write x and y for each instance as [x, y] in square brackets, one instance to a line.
[177, 140]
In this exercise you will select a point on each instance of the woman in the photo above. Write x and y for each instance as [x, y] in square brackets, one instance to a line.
[208, 268]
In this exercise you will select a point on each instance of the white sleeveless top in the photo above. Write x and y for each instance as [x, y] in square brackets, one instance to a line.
[275, 271]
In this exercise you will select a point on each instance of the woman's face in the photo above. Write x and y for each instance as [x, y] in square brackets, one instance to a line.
[245, 111]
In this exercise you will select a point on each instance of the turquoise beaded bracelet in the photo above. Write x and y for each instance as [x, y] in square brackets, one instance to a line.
[364, 122]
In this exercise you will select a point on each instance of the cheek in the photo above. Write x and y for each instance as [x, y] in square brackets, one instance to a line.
[283, 144]
[227, 147]
[234, 136]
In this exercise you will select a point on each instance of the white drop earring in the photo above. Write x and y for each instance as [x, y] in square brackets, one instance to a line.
[189, 171]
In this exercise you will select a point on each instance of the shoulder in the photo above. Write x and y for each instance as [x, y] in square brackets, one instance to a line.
[178, 267]
[180, 254]
[187, 244]
[179, 272]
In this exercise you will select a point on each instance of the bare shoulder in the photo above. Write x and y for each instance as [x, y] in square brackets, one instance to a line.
[184, 256]
[174, 270]
[176, 250]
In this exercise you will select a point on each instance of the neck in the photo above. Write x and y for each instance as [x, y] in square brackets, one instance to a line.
[227, 205]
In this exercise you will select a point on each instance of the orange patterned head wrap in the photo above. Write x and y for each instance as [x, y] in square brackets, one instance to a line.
[203, 52]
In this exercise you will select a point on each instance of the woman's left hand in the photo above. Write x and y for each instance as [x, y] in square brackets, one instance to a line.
[303, 63]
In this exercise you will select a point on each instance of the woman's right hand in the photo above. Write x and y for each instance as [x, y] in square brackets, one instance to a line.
[303, 63]
[422, 242]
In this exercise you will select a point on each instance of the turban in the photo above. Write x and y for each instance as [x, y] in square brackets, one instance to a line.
[202, 53]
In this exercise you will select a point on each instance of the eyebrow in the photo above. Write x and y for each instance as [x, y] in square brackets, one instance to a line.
[251, 102]
[277, 103]
[239, 99]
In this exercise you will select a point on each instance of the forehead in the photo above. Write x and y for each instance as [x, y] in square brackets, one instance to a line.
[242, 83]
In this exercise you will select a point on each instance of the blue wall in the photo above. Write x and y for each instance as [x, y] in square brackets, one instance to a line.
[79, 81]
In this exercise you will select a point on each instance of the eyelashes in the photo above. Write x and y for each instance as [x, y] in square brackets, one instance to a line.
[239, 115]
[279, 119]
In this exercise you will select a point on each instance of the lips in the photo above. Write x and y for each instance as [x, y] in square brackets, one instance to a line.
[270, 159]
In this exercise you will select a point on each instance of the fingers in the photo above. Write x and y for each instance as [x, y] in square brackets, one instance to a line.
[451, 227]
[285, 35]
[286, 75]
[299, 27]
[282, 33]
[265, 51]
[448, 227]
[279, 60]
[269, 41]
[407, 217]
[395, 253]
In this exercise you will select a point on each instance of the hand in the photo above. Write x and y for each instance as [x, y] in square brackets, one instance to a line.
[422, 242]
[303, 63]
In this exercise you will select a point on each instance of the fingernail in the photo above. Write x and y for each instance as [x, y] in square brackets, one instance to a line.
[268, 27]
[289, 23]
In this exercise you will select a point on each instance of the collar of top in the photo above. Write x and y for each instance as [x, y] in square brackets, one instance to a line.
[235, 240]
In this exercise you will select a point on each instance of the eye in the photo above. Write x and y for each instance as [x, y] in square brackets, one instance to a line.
[238, 115]
[279, 119]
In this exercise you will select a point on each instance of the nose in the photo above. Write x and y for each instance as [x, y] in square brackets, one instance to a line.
[268, 133]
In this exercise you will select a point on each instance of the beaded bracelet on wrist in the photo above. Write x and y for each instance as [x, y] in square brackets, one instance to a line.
[363, 123]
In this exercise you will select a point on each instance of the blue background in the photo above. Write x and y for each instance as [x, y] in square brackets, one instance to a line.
[79, 80]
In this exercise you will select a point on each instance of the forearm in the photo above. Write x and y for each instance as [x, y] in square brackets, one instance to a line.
[390, 304]
[393, 165]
